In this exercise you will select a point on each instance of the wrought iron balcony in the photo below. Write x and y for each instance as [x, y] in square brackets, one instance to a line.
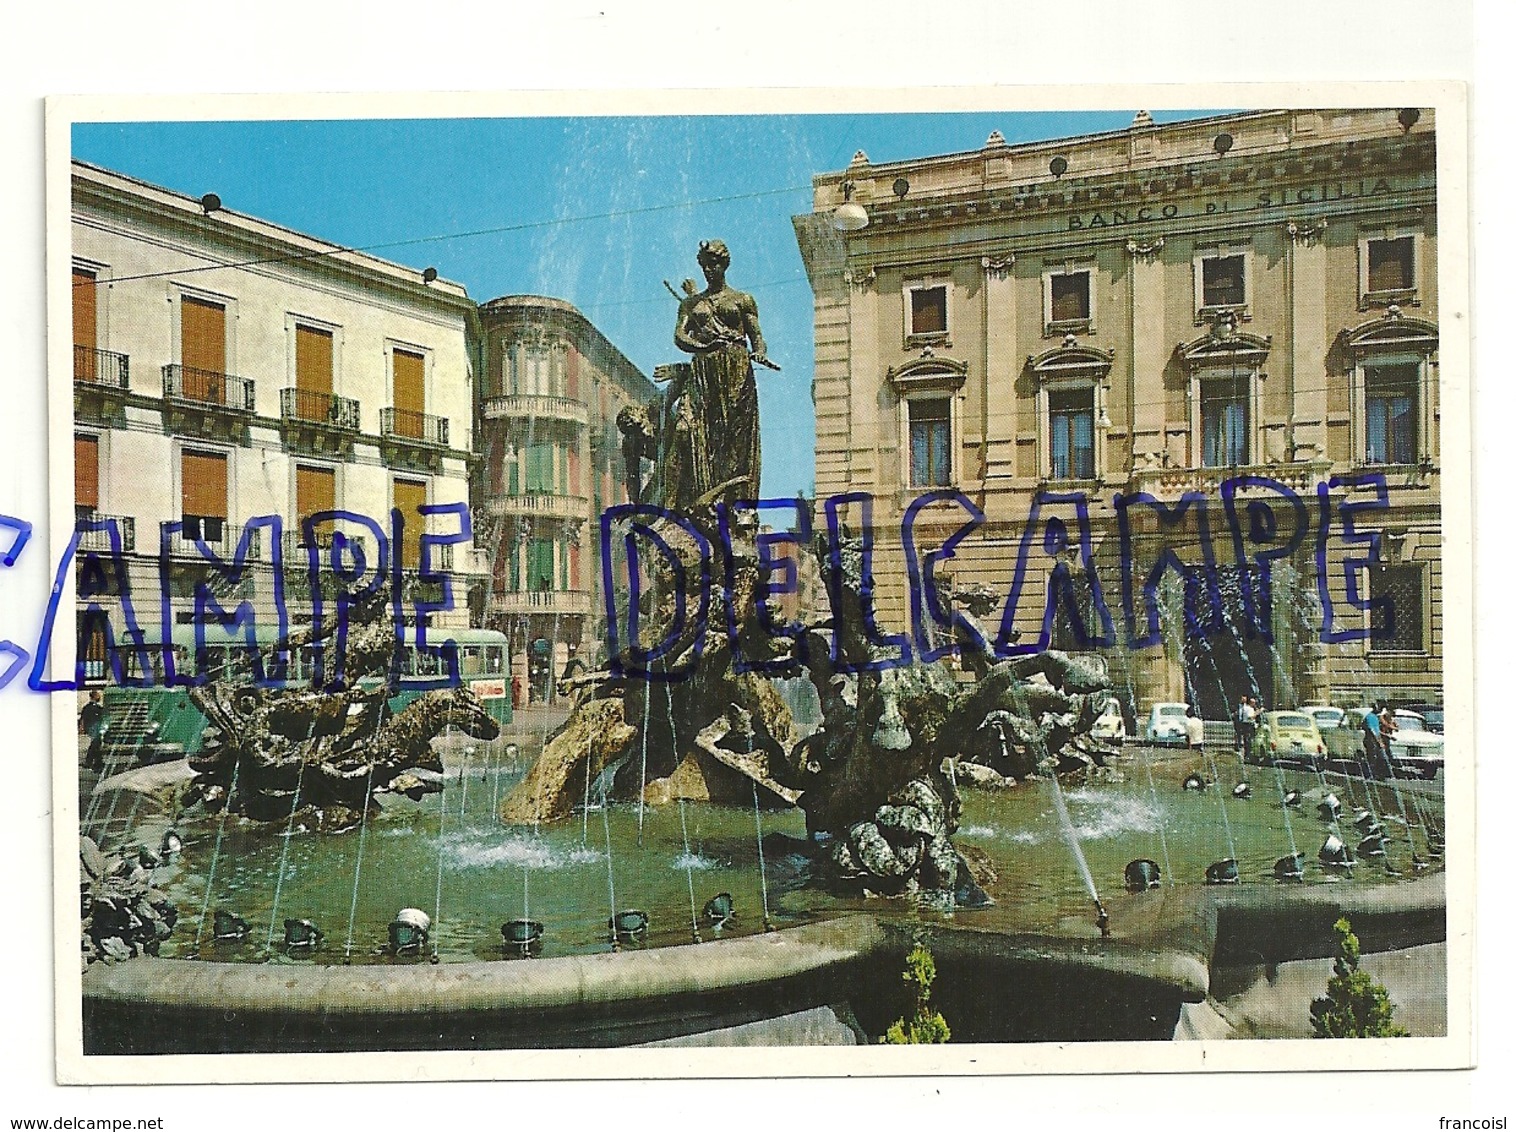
[296, 553]
[220, 537]
[309, 406]
[100, 540]
[530, 405]
[572, 602]
[101, 367]
[207, 387]
[415, 428]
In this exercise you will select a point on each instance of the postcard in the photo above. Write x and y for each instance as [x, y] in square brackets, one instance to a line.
[562, 586]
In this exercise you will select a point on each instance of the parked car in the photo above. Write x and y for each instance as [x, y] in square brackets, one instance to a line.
[1287, 736]
[1431, 713]
[1326, 717]
[1110, 724]
[1414, 749]
[1166, 724]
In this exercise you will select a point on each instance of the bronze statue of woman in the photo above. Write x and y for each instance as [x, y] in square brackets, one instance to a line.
[719, 328]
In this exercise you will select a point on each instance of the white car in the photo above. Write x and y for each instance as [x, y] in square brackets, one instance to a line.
[1167, 724]
[1413, 748]
[1326, 717]
[1110, 724]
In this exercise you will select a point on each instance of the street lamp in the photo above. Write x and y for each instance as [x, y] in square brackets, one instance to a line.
[850, 215]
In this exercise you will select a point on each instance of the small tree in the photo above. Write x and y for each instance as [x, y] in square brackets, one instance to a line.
[925, 1026]
[1355, 1005]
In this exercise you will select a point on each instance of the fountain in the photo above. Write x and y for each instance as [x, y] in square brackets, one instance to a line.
[827, 845]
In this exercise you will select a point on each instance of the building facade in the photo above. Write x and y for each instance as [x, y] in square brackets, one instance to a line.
[226, 368]
[549, 462]
[1230, 322]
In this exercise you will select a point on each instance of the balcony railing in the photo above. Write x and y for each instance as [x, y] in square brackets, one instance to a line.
[543, 601]
[1300, 476]
[297, 556]
[100, 540]
[421, 428]
[101, 367]
[220, 537]
[207, 387]
[541, 505]
[310, 406]
[527, 405]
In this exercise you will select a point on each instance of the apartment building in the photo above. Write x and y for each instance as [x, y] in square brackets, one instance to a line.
[550, 462]
[225, 368]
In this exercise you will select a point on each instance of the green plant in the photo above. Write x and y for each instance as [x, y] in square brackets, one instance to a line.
[925, 1026]
[1355, 1005]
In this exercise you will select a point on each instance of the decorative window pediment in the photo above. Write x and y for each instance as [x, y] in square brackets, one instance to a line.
[1392, 333]
[1224, 345]
[1071, 360]
[928, 373]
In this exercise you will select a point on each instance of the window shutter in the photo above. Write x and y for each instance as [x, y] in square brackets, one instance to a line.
[87, 471]
[202, 480]
[86, 326]
[410, 495]
[315, 490]
[313, 360]
[410, 393]
[202, 335]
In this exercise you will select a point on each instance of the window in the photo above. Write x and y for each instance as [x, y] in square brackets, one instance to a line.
[1223, 281]
[1071, 417]
[1069, 297]
[202, 349]
[931, 441]
[86, 326]
[86, 474]
[1392, 264]
[202, 489]
[540, 474]
[1224, 421]
[928, 308]
[92, 645]
[1400, 624]
[409, 386]
[314, 363]
[1390, 414]
[534, 372]
[539, 565]
[410, 496]
[315, 490]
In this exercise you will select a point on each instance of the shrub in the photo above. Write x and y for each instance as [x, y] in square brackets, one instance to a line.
[1355, 1005]
[925, 1026]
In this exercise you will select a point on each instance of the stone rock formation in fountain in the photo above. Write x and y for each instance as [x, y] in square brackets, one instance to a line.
[122, 914]
[877, 779]
[267, 752]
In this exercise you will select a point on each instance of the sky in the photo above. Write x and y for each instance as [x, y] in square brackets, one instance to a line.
[595, 210]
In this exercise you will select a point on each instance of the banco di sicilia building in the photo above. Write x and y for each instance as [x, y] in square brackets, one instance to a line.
[1165, 310]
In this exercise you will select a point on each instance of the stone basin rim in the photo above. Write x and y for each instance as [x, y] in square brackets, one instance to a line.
[731, 966]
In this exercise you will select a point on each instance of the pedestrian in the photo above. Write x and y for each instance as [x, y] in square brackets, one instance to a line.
[1246, 723]
[1387, 729]
[1373, 743]
[1194, 727]
[92, 723]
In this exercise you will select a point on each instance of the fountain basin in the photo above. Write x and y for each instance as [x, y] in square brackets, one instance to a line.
[996, 985]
